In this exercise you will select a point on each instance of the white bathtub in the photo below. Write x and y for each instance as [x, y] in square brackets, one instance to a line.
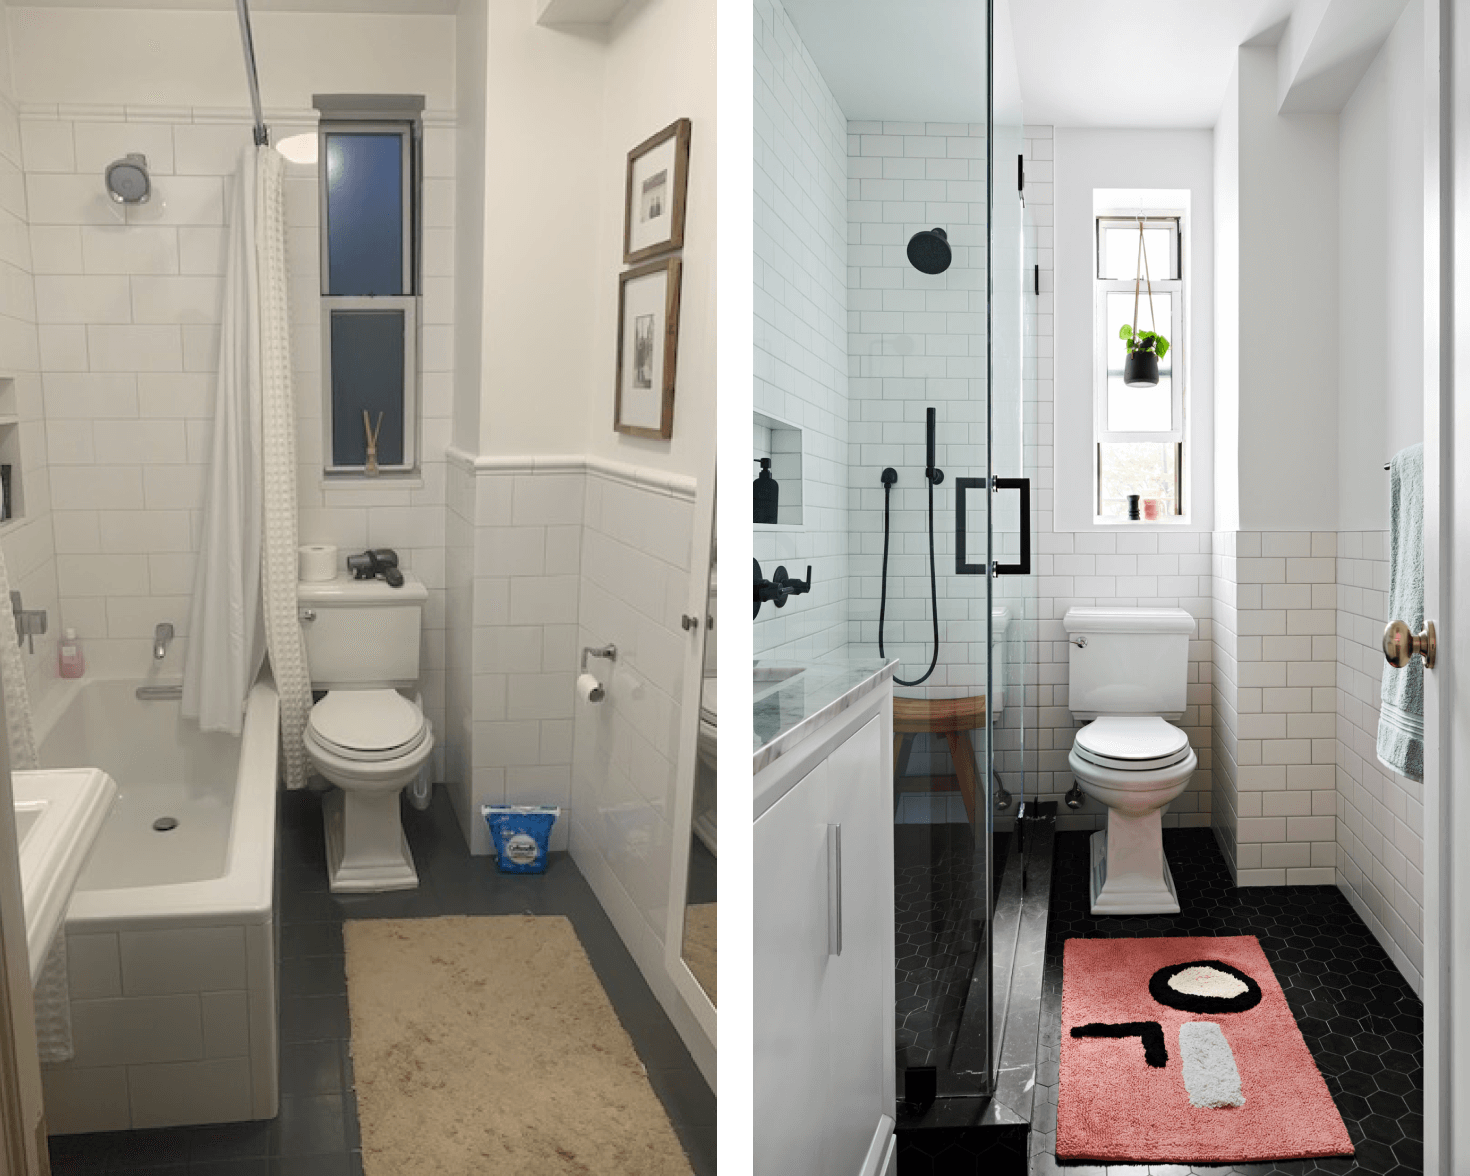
[170, 936]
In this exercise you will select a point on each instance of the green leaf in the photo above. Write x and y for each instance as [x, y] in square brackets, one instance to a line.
[1162, 347]
[1126, 332]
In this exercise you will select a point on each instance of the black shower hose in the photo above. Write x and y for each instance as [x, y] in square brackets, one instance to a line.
[933, 581]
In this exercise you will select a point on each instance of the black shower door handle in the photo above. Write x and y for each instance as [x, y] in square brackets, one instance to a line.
[963, 568]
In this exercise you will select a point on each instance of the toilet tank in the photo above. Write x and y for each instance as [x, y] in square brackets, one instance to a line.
[1127, 661]
[362, 634]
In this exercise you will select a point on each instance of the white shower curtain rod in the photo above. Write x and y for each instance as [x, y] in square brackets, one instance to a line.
[262, 133]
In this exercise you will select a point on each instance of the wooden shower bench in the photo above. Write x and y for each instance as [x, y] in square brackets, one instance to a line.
[954, 718]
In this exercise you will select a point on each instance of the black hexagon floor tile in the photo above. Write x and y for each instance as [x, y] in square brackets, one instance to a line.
[1357, 1014]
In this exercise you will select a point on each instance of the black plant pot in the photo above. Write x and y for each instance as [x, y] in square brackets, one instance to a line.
[1141, 369]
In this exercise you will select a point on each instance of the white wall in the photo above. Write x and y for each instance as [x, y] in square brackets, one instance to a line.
[1380, 237]
[1288, 227]
[157, 58]
[1087, 159]
[541, 285]
[1226, 439]
[671, 34]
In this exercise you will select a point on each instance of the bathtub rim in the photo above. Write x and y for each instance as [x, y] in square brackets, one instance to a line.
[244, 894]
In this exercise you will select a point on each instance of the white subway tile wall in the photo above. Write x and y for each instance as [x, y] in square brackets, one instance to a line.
[128, 308]
[1380, 827]
[801, 294]
[915, 341]
[27, 540]
[1278, 706]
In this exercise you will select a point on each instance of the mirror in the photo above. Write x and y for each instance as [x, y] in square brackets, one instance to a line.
[698, 946]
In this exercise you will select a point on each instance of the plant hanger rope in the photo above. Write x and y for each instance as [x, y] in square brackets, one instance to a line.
[1141, 275]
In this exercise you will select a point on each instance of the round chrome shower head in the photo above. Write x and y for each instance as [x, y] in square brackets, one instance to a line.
[127, 180]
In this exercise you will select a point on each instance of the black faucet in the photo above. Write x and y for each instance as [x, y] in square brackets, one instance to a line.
[778, 587]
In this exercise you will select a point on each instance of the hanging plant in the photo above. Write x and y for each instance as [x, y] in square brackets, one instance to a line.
[1145, 348]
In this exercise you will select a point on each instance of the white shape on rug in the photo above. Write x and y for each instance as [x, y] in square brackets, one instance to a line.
[1210, 1076]
[1203, 980]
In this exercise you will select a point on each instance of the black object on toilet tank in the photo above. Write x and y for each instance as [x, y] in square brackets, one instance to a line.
[374, 563]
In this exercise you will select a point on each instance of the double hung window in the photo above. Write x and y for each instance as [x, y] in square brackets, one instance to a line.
[1139, 432]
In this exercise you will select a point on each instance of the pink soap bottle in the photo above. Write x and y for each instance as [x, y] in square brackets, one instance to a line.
[69, 655]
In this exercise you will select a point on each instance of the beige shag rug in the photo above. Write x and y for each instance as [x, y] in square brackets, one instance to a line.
[487, 1045]
[699, 945]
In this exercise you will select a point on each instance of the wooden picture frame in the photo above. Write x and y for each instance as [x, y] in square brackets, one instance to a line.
[651, 195]
[648, 349]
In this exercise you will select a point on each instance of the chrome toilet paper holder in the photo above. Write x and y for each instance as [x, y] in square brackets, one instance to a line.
[608, 651]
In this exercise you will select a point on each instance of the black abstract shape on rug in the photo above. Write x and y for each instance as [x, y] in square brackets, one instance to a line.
[1189, 1002]
[1154, 1051]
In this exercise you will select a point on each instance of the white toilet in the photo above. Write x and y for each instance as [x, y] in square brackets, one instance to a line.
[1129, 669]
[367, 735]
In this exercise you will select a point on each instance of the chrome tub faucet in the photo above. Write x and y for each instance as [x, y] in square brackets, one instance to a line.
[161, 637]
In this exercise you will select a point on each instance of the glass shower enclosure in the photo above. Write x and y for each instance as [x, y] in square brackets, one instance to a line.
[948, 553]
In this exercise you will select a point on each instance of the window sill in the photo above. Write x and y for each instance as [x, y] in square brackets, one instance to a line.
[381, 482]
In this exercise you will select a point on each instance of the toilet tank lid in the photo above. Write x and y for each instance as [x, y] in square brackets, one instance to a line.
[344, 590]
[1128, 620]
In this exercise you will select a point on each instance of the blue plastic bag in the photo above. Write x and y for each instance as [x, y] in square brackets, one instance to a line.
[521, 834]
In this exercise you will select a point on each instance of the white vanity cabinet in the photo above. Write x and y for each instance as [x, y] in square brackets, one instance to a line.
[824, 966]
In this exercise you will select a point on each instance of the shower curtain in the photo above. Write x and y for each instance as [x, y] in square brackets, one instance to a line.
[244, 604]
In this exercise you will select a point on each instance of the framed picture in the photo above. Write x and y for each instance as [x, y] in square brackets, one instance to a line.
[658, 183]
[648, 349]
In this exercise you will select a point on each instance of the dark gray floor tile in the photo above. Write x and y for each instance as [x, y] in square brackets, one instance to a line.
[229, 1141]
[313, 976]
[313, 1018]
[300, 940]
[251, 1166]
[312, 1067]
[310, 1125]
[322, 1165]
[685, 1096]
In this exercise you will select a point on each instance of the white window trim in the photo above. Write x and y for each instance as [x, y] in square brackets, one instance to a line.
[1179, 435]
[410, 136]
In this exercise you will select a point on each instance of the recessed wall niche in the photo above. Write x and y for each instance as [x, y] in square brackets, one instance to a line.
[781, 442]
[10, 451]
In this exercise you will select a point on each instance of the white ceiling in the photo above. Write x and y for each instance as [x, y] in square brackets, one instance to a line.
[1112, 63]
[1132, 63]
[405, 7]
[901, 60]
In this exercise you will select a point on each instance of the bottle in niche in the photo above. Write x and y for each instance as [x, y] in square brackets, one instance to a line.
[69, 655]
[767, 493]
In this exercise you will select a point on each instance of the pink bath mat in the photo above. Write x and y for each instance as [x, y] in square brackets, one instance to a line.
[1238, 1085]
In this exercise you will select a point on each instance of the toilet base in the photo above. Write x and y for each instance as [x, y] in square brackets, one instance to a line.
[1130, 875]
[367, 850]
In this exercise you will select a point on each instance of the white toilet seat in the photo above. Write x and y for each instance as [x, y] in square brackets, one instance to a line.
[367, 725]
[1131, 743]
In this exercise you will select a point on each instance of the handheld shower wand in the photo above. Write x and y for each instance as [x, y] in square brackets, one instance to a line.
[933, 475]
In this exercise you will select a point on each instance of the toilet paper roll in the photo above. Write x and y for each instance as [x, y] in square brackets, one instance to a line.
[317, 562]
[589, 689]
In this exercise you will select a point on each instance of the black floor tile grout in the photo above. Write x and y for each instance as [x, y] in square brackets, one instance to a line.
[317, 1130]
[1356, 1012]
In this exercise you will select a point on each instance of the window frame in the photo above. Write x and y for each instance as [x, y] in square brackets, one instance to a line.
[1102, 288]
[409, 129]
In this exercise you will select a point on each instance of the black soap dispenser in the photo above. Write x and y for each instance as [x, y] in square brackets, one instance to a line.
[767, 493]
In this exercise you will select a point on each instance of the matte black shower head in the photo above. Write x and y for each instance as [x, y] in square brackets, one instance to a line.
[929, 251]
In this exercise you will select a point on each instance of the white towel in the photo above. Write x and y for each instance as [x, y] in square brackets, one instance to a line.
[1401, 697]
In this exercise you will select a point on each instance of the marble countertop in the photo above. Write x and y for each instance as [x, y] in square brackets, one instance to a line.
[793, 697]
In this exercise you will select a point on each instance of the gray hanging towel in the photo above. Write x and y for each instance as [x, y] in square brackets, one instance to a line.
[1401, 717]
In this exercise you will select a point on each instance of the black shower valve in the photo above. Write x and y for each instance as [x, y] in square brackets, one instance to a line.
[778, 587]
[791, 586]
